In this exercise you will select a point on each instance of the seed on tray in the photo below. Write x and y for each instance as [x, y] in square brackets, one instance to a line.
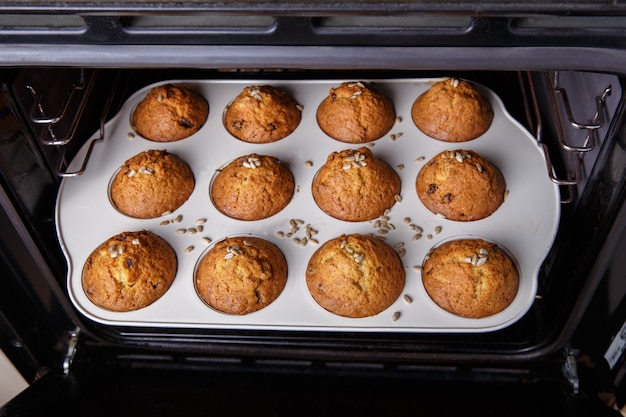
[178, 218]
[407, 299]
[308, 164]
[395, 316]
[420, 159]
[280, 234]
[407, 220]
[417, 268]
[201, 221]
[189, 249]
[437, 230]
[131, 135]
[165, 222]
[417, 236]
[206, 241]
[181, 231]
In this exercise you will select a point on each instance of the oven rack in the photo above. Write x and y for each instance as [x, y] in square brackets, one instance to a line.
[563, 115]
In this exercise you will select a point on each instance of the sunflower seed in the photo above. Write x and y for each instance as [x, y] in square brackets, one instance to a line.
[395, 316]
[455, 83]
[188, 249]
[206, 241]
[201, 221]
[417, 236]
[407, 299]
[181, 231]
[437, 230]
[131, 135]
[135, 241]
[481, 261]
[165, 222]
[308, 164]
[131, 173]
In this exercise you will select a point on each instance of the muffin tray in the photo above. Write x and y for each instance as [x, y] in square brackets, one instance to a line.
[525, 224]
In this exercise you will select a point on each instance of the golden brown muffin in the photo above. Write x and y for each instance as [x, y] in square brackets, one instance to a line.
[355, 276]
[470, 278]
[354, 185]
[240, 275]
[150, 184]
[452, 110]
[262, 114]
[253, 187]
[460, 185]
[169, 113]
[355, 112]
[129, 271]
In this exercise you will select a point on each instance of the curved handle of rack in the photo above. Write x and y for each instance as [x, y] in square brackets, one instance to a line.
[37, 114]
[100, 138]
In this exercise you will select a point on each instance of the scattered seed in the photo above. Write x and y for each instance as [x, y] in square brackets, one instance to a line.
[395, 316]
[205, 240]
[189, 249]
[398, 198]
[199, 228]
[440, 215]
[178, 218]
[400, 167]
[392, 137]
[191, 231]
[429, 236]
[201, 221]
[417, 268]
[314, 242]
[165, 223]
[417, 236]
[280, 234]
[131, 135]
[407, 220]
[181, 231]
[407, 299]
[402, 253]
[399, 135]
[420, 159]
[308, 164]
[296, 240]
[166, 213]
[303, 241]
[398, 119]
[437, 230]
[399, 245]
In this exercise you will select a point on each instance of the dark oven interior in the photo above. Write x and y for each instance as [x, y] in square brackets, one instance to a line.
[571, 100]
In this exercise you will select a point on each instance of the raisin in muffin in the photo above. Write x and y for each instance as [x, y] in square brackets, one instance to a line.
[470, 278]
[240, 275]
[129, 271]
[252, 187]
[354, 185]
[355, 276]
[262, 114]
[355, 112]
[460, 185]
[452, 110]
[170, 113]
[150, 184]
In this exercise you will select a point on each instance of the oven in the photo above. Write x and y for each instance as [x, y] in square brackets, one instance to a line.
[71, 74]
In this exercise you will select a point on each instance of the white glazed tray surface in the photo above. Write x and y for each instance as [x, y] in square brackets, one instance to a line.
[525, 224]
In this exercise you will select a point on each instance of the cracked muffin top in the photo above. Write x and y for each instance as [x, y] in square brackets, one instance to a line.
[470, 278]
[129, 271]
[262, 114]
[170, 113]
[355, 112]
